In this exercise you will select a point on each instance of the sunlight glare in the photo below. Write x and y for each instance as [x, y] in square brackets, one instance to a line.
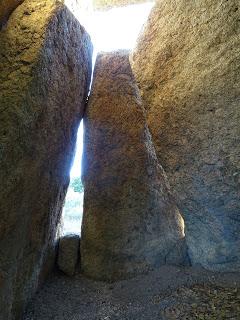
[110, 30]
[118, 28]
[76, 168]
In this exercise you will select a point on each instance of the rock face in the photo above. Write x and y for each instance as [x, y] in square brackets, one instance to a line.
[130, 223]
[6, 8]
[45, 63]
[68, 254]
[187, 65]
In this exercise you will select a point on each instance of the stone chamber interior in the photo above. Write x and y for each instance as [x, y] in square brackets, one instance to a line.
[160, 159]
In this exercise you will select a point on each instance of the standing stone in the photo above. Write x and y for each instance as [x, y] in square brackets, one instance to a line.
[187, 65]
[130, 223]
[68, 254]
[45, 63]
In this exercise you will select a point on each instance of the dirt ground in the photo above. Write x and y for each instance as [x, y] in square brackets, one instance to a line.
[169, 293]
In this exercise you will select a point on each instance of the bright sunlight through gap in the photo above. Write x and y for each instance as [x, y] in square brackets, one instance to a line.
[110, 30]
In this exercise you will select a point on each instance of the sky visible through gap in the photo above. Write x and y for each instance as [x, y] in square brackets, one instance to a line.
[110, 30]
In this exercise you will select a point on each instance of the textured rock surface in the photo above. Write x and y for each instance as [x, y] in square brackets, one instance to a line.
[129, 222]
[68, 254]
[109, 4]
[187, 65]
[45, 63]
[6, 8]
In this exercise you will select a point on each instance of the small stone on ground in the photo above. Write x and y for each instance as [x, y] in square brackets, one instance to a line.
[68, 253]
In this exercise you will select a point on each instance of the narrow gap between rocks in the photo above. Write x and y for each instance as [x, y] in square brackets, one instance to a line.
[110, 30]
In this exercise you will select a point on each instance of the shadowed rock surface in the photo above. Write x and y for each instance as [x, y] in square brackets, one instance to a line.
[130, 223]
[45, 63]
[6, 8]
[187, 65]
[68, 254]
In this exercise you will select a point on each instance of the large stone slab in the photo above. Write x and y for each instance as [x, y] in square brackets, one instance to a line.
[45, 63]
[187, 64]
[130, 223]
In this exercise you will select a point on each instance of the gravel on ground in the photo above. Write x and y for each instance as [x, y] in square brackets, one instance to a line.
[169, 293]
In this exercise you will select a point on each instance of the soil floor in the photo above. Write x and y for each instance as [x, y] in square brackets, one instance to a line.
[169, 293]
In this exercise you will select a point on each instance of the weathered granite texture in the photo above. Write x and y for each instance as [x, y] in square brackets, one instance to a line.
[68, 253]
[187, 65]
[6, 8]
[45, 63]
[130, 223]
